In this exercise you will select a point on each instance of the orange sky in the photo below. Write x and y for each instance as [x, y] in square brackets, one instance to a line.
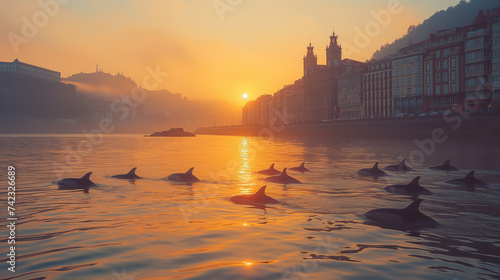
[210, 48]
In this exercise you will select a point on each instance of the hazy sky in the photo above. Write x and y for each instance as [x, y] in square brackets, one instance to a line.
[210, 48]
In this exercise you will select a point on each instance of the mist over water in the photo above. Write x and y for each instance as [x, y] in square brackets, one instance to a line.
[155, 229]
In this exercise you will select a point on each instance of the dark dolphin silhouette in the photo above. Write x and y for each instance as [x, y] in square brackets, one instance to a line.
[300, 168]
[130, 175]
[259, 197]
[468, 181]
[76, 183]
[413, 188]
[445, 167]
[409, 217]
[269, 171]
[187, 177]
[400, 167]
[283, 178]
[374, 171]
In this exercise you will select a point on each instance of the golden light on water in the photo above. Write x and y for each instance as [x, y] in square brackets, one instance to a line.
[248, 263]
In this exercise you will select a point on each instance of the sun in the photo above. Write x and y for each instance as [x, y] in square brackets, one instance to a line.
[245, 96]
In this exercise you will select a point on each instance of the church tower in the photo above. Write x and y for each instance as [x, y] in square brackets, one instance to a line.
[333, 53]
[310, 61]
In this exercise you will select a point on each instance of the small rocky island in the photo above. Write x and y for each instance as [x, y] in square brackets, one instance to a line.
[173, 132]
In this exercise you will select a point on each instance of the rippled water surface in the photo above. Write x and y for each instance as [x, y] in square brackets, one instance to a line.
[155, 229]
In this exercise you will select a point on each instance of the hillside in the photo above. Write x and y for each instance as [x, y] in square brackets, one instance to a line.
[459, 15]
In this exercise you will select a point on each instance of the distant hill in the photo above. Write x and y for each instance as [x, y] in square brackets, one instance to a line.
[460, 15]
[100, 81]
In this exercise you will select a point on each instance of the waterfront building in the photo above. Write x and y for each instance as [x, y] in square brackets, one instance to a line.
[377, 89]
[407, 79]
[320, 83]
[477, 62]
[288, 104]
[350, 90]
[16, 69]
[495, 59]
[443, 71]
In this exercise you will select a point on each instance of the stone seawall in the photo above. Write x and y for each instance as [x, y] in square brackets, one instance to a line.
[480, 125]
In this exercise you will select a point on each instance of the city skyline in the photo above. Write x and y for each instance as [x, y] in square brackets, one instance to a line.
[210, 49]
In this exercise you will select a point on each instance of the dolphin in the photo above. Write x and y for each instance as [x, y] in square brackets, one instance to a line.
[130, 175]
[283, 178]
[76, 183]
[269, 171]
[409, 217]
[445, 166]
[187, 177]
[301, 168]
[374, 171]
[400, 167]
[468, 181]
[259, 197]
[413, 188]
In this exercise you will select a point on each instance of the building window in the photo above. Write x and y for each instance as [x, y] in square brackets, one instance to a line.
[445, 64]
[428, 90]
[417, 80]
[496, 53]
[408, 82]
[470, 55]
[395, 72]
[471, 82]
[496, 28]
[453, 87]
[446, 52]
[417, 69]
[453, 62]
[453, 74]
[408, 71]
[445, 88]
[496, 79]
[438, 54]
[408, 91]
[438, 77]
[445, 76]
[438, 89]
[395, 83]
[437, 65]
[428, 67]
[496, 65]
[418, 91]
[395, 92]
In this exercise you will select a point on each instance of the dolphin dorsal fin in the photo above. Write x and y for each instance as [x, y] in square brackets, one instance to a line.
[470, 175]
[271, 167]
[402, 163]
[283, 173]
[190, 171]
[302, 165]
[261, 191]
[132, 171]
[87, 176]
[413, 207]
[446, 163]
[375, 166]
[414, 182]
